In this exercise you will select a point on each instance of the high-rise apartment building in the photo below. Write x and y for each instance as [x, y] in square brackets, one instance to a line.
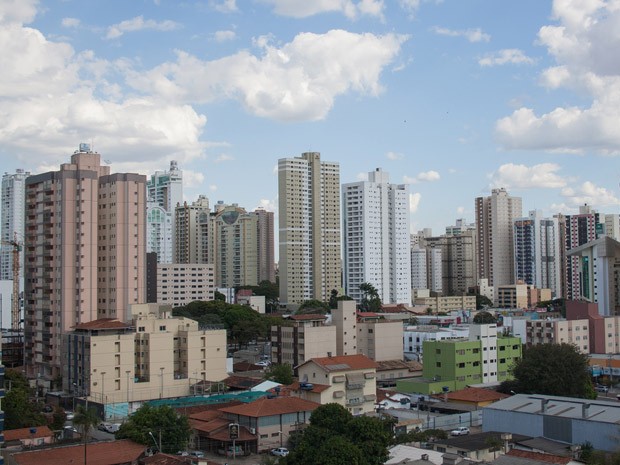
[13, 198]
[84, 253]
[192, 232]
[579, 230]
[459, 261]
[239, 242]
[376, 238]
[309, 228]
[419, 278]
[612, 226]
[537, 252]
[165, 192]
[495, 216]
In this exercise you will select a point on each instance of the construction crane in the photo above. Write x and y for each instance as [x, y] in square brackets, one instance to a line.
[17, 248]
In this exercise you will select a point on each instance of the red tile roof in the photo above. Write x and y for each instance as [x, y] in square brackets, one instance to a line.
[473, 394]
[549, 458]
[368, 315]
[24, 433]
[207, 415]
[209, 426]
[316, 388]
[166, 459]
[269, 407]
[223, 435]
[343, 362]
[103, 323]
[241, 382]
[99, 453]
[308, 316]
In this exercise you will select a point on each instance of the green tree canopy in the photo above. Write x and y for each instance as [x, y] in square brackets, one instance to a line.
[147, 420]
[482, 302]
[335, 437]
[371, 302]
[313, 306]
[552, 369]
[85, 420]
[19, 410]
[484, 318]
[282, 374]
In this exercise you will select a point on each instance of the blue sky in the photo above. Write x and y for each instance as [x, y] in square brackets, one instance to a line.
[454, 97]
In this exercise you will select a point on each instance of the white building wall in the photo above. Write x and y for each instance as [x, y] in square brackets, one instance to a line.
[487, 335]
[419, 277]
[13, 218]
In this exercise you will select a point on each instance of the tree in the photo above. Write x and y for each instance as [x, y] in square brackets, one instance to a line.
[553, 369]
[373, 436]
[282, 374]
[482, 302]
[371, 302]
[333, 417]
[333, 299]
[219, 296]
[164, 420]
[313, 306]
[484, 318]
[19, 411]
[85, 420]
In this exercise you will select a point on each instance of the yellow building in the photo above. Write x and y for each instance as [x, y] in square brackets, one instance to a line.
[447, 303]
[348, 380]
[155, 356]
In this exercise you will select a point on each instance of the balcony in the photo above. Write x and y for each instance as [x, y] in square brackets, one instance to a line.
[355, 401]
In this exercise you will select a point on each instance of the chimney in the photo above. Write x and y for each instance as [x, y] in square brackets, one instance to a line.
[544, 405]
[585, 410]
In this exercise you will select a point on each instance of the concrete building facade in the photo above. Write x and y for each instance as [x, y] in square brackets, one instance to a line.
[13, 219]
[376, 238]
[84, 253]
[559, 331]
[495, 216]
[192, 232]
[309, 228]
[179, 284]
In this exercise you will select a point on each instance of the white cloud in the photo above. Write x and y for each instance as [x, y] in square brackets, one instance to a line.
[268, 205]
[192, 178]
[304, 8]
[589, 193]
[224, 157]
[580, 44]
[223, 36]
[460, 210]
[425, 176]
[212, 187]
[511, 56]
[394, 156]
[543, 175]
[361, 176]
[138, 24]
[414, 201]
[225, 6]
[472, 35]
[70, 22]
[17, 11]
[297, 81]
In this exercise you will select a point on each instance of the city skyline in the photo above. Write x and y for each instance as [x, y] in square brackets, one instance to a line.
[452, 98]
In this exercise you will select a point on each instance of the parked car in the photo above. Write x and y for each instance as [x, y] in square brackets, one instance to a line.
[280, 451]
[602, 388]
[263, 363]
[460, 431]
[103, 426]
[69, 415]
[113, 427]
[197, 453]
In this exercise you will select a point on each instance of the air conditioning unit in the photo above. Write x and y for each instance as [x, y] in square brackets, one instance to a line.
[253, 430]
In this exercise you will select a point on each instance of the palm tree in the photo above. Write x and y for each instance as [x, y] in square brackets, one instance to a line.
[85, 419]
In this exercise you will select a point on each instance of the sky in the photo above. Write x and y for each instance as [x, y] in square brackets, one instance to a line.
[453, 97]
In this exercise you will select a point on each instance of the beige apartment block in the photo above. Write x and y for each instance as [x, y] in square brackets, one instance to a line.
[345, 319]
[535, 295]
[84, 248]
[380, 340]
[306, 337]
[179, 284]
[512, 296]
[309, 225]
[348, 380]
[191, 242]
[154, 357]
[558, 331]
[447, 303]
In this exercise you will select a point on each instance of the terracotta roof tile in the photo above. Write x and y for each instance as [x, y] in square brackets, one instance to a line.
[24, 433]
[166, 459]
[241, 382]
[268, 407]
[317, 388]
[344, 362]
[410, 365]
[308, 316]
[549, 458]
[473, 394]
[99, 453]
[103, 323]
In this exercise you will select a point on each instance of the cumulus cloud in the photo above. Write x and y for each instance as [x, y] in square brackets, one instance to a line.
[138, 24]
[223, 36]
[394, 156]
[425, 176]
[268, 205]
[304, 8]
[17, 11]
[414, 201]
[70, 22]
[212, 187]
[507, 56]
[591, 194]
[192, 178]
[52, 98]
[544, 175]
[472, 35]
[225, 6]
[297, 81]
[224, 157]
[580, 42]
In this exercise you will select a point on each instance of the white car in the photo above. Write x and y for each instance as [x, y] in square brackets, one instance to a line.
[460, 431]
[263, 363]
[280, 451]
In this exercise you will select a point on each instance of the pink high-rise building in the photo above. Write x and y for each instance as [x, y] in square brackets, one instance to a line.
[84, 253]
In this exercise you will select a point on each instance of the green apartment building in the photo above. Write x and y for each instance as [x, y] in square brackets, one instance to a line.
[457, 363]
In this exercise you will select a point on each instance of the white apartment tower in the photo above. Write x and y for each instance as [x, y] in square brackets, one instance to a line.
[192, 232]
[495, 216]
[419, 279]
[376, 238]
[537, 252]
[13, 207]
[85, 253]
[165, 192]
[309, 228]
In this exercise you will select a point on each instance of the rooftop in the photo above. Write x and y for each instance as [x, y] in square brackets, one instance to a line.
[26, 433]
[103, 323]
[473, 442]
[98, 453]
[410, 365]
[343, 362]
[308, 317]
[474, 394]
[270, 407]
[539, 456]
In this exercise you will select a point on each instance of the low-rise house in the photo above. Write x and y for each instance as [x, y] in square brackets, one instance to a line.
[389, 371]
[16, 439]
[402, 454]
[478, 397]
[123, 452]
[483, 446]
[351, 380]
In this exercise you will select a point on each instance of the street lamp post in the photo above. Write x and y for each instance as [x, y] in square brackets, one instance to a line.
[127, 372]
[161, 387]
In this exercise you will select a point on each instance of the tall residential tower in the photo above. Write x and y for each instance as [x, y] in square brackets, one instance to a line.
[13, 197]
[309, 228]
